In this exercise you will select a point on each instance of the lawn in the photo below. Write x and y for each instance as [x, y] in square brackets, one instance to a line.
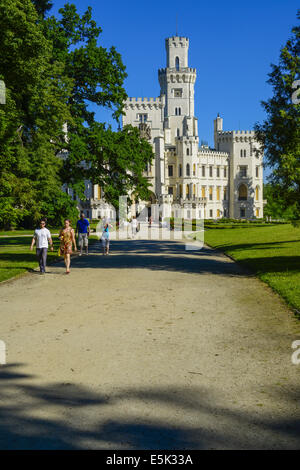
[16, 257]
[271, 251]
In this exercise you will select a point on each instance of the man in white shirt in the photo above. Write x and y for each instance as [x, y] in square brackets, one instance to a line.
[41, 237]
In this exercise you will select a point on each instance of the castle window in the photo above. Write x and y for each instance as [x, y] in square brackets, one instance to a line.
[170, 170]
[218, 172]
[210, 193]
[180, 190]
[257, 171]
[243, 171]
[178, 132]
[203, 191]
[177, 93]
[210, 213]
[243, 192]
[187, 169]
[241, 153]
[177, 63]
[225, 194]
[245, 153]
[257, 193]
[203, 170]
[210, 171]
[225, 212]
[180, 170]
[187, 191]
[242, 212]
[257, 212]
[225, 172]
[187, 151]
[170, 190]
[194, 169]
[143, 117]
[218, 213]
[99, 192]
[218, 193]
[179, 111]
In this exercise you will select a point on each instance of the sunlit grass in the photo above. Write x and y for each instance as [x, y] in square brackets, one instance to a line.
[271, 251]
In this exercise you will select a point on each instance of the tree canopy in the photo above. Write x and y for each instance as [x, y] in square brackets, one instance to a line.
[54, 69]
[280, 132]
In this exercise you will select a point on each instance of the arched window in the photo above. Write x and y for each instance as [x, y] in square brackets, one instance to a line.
[179, 111]
[245, 153]
[187, 151]
[187, 190]
[243, 192]
[178, 132]
[180, 170]
[176, 111]
[241, 153]
[257, 193]
[188, 169]
[177, 63]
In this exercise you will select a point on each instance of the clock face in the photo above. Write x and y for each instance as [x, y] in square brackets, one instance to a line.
[145, 131]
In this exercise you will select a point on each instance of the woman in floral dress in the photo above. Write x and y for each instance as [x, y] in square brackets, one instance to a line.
[67, 239]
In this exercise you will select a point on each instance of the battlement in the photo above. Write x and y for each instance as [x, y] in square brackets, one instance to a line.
[142, 103]
[212, 153]
[182, 70]
[177, 41]
[145, 100]
[236, 133]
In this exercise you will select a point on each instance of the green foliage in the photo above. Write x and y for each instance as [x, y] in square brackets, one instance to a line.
[276, 207]
[280, 132]
[54, 70]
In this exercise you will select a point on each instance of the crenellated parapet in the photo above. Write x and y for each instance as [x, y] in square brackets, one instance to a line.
[171, 75]
[145, 103]
[235, 136]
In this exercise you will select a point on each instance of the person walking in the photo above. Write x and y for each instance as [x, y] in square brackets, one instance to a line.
[134, 225]
[42, 238]
[83, 229]
[67, 239]
[105, 239]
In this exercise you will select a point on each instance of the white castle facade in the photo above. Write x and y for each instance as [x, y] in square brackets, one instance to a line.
[188, 180]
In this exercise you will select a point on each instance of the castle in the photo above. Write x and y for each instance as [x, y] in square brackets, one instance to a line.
[188, 180]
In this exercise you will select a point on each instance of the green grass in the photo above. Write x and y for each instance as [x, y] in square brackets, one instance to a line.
[15, 233]
[16, 257]
[272, 252]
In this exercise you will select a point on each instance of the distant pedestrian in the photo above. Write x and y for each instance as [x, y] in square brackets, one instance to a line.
[134, 225]
[83, 229]
[105, 239]
[67, 239]
[42, 238]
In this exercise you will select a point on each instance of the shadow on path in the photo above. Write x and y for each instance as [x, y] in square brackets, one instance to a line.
[211, 427]
[159, 255]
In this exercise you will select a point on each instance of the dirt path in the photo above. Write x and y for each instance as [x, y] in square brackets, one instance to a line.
[151, 347]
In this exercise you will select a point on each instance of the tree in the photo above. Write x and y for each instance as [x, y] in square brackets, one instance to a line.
[115, 160]
[54, 69]
[275, 206]
[280, 132]
[31, 121]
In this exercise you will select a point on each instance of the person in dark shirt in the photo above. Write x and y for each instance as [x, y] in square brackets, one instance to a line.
[83, 229]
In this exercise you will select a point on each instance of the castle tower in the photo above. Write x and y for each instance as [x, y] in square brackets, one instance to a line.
[177, 84]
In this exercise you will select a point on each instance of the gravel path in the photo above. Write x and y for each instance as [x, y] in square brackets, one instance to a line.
[152, 347]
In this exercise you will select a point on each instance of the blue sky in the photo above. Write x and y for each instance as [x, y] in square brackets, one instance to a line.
[232, 45]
